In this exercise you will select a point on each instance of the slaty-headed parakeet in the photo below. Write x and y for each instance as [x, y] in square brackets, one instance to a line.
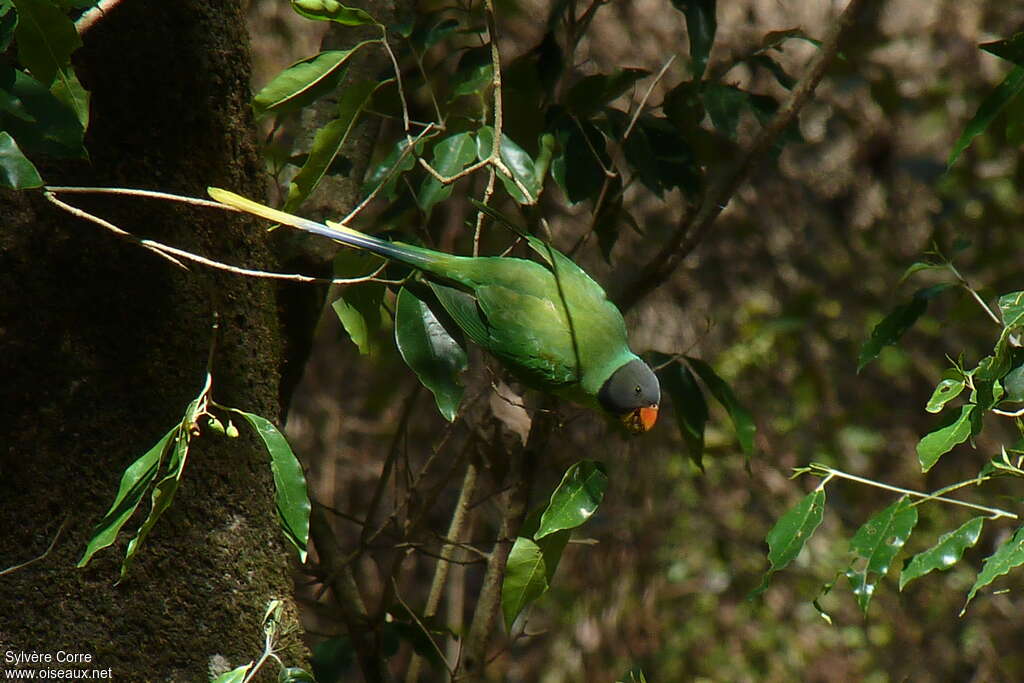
[549, 323]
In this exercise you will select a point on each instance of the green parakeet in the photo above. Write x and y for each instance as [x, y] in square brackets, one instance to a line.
[549, 323]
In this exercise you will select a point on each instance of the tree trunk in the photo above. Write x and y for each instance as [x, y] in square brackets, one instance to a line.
[103, 345]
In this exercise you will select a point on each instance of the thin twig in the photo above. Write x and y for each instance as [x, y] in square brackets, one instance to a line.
[168, 252]
[647, 96]
[398, 79]
[995, 513]
[49, 548]
[387, 176]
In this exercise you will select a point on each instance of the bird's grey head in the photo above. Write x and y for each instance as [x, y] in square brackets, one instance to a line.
[632, 394]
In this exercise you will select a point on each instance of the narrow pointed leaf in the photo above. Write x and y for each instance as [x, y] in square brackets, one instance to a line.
[135, 481]
[789, 535]
[235, 675]
[990, 107]
[936, 444]
[46, 37]
[430, 351]
[303, 82]
[741, 417]
[16, 171]
[332, 10]
[894, 325]
[701, 25]
[69, 90]
[876, 544]
[516, 159]
[1006, 557]
[945, 391]
[328, 143]
[289, 481]
[451, 155]
[575, 499]
[945, 553]
[691, 409]
[1010, 49]
[528, 572]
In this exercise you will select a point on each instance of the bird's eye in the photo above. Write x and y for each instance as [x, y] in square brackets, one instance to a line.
[637, 389]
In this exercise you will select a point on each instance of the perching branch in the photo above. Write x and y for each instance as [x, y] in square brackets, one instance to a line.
[695, 226]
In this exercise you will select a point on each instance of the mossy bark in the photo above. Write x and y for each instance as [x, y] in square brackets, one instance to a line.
[103, 344]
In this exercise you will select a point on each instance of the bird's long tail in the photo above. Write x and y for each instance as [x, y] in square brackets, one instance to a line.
[417, 257]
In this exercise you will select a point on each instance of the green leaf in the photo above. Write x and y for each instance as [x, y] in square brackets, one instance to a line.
[1009, 88]
[919, 266]
[688, 401]
[294, 674]
[235, 675]
[451, 155]
[289, 482]
[389, 171]
[70, 91]
[945, 391]
[789, 535]
[876, 543]
[332, 659]
[576, 169]
[303, 82]
[701, 25]
[358, 307]
[163, 492]
[741, 418]
[517, 161]
[134, 483]
[1013, 384]
[593, 92]
[1005, 558]
[773, 40]
[40, 122]
[474, 73]
[894, 325]
[331, 10]
[1010, 49]
[575, 499]
[936, 444]
[16, 171]
[724, 103]
[945, 553]
[528, 572]
[328, 142]
[430, 351]
[8, 23]
[46, 38]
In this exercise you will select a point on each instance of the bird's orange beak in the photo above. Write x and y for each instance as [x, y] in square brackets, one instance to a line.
[640, 420]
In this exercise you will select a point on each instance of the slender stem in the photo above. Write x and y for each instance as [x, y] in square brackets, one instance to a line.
[647, 95]
[995, 513]
[966, 285]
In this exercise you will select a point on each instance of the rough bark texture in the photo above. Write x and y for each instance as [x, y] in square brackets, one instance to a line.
[103, 345]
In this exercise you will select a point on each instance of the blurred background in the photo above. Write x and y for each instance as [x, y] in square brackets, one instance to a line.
[804, 261]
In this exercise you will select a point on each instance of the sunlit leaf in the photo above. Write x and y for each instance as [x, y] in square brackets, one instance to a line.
[451, 155]
[575, 499]
[69, 90]
[358, 307]
[945, 553]
[941, 441]
[919, 266]
[135, 481]
[528, 572]
[235, 675]
[294, 674]
[894, 325]
[517, 161]
[304, 82]
[945, 391]
[701, 25]
[46, 37]
[328, 143]
[429, 349]
[876, 544]
[688, 401]
[332, 10]
[1006, 557]
[289, 481]
[789, 535]
[16, 172]
[741, 417]
[990, 107]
